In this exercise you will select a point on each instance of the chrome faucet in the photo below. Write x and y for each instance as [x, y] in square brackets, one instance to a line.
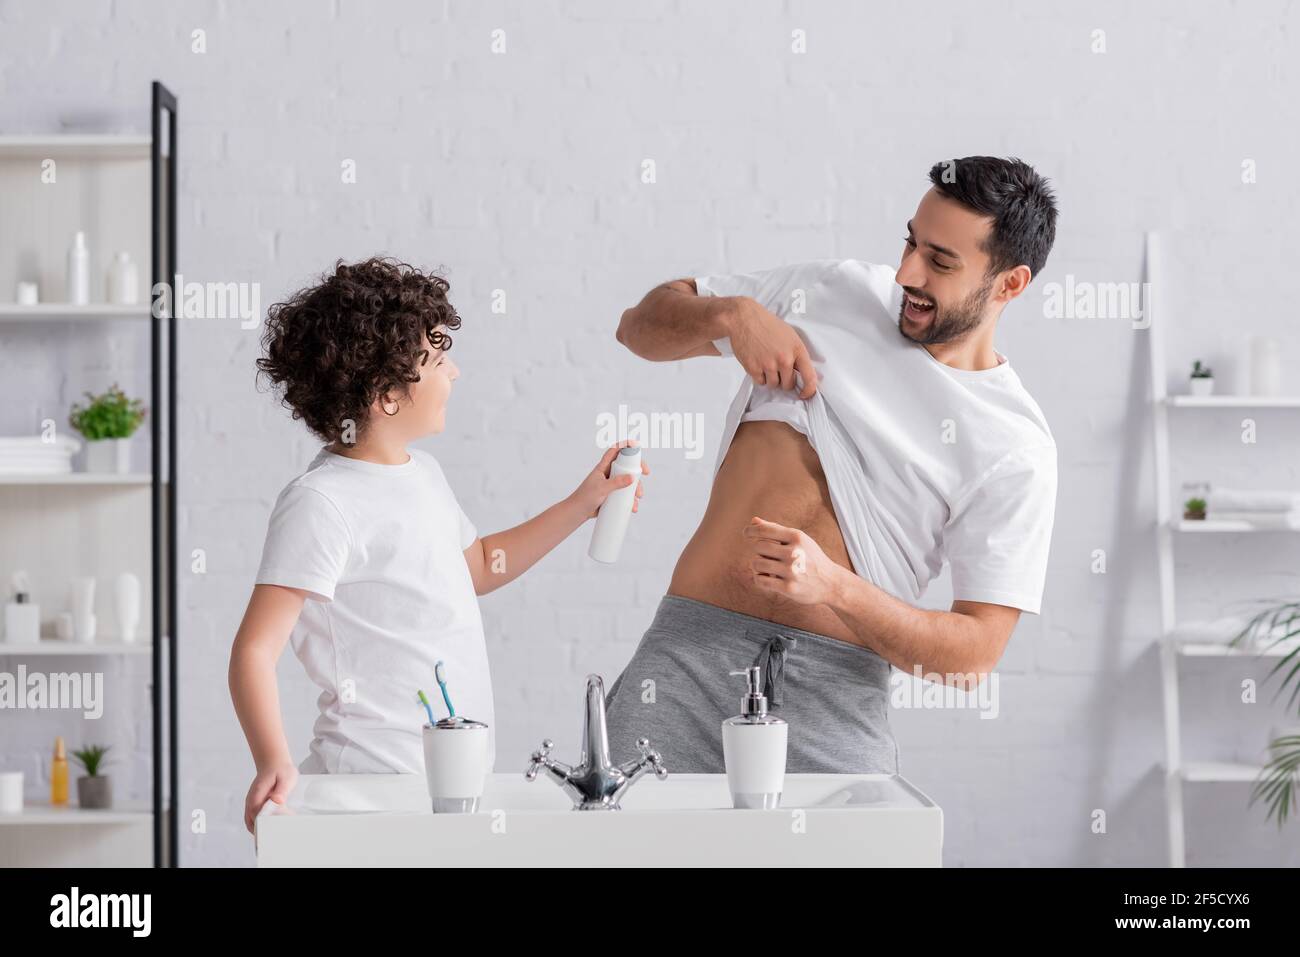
[595, 784]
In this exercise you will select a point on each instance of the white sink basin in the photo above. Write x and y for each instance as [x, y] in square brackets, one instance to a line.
[383, 820]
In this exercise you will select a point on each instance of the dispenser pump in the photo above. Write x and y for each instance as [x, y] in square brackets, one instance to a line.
[754, 703]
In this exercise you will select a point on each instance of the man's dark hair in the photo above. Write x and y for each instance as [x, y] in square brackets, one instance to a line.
[333, 348]
[1020, 202]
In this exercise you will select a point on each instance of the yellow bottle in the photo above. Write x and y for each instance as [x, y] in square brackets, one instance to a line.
[59, 775]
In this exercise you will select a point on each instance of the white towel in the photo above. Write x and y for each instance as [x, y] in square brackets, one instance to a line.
[1252, 500]
[1259, 519]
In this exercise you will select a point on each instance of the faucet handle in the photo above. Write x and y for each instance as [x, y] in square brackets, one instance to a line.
[540, 759]
[652, 758]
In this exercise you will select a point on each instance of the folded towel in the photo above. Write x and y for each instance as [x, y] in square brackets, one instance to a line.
[1259, 519]
[31, 443]
[1252, 500]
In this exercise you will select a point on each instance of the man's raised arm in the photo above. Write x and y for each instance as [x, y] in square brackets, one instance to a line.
[674, 322]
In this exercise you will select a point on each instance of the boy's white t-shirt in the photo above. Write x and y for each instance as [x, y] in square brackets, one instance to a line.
[924, 462]
[380, 550]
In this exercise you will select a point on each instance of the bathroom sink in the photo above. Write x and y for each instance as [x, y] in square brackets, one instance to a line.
[383, 820]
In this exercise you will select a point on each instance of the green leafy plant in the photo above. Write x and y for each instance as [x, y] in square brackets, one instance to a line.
[91, 758]
[108, 416]
[1201, 372]
[1279, 780]
[1194, 508]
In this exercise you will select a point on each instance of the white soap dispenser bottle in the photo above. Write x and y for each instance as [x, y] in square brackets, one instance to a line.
[22, 618]
[616, 510]
[754, 747]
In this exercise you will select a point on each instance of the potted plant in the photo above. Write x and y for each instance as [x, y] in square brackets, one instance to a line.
[1202, 379]
[1278, 625]
[1194, 510]
[94, 790]
[107, 422]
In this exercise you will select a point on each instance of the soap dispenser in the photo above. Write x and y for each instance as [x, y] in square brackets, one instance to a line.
[753, 748]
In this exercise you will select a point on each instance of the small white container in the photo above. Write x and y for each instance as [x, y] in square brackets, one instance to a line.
[27, 294]
[11, 792]
[78, 285]
[1201, 386]
[616, 510]
[83, 609]
[456, 764]
[754, 749]
[123, 281]
[22, 618]
[126, 602]
[108, 456]
[22, 621]
[1265, 366]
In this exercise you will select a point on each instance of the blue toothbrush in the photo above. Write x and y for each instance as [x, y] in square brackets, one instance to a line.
[440, 674]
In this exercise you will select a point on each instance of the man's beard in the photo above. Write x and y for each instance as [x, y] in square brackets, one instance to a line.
[950, 323]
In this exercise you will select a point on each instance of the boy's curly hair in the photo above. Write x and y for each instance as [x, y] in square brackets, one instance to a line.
[333, 348]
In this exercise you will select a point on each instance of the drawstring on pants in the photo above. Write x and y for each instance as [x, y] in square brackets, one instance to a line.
[772, 661]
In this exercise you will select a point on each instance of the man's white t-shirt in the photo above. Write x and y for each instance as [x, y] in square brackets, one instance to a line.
[380, 550]
[924, 462]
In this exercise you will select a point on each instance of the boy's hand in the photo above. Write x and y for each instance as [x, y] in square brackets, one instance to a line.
[597, 486]
[273, 784]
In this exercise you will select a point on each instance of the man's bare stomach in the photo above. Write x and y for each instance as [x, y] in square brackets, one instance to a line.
[770, 471]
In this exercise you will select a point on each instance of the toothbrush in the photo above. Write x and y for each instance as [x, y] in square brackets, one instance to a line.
[425, 701]
[440, 675]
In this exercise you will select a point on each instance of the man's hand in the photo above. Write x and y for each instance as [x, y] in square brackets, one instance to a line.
[788, 562]
[768, 348]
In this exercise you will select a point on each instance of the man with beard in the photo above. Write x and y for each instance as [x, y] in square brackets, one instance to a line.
[878, 435]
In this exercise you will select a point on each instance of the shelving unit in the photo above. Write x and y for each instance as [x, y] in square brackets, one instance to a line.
[108, 169]
[64, 312]
[1176, 772]
[77, 478]
[55, 646]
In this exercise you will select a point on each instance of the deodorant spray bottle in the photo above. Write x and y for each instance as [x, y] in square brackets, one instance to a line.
[612, 519]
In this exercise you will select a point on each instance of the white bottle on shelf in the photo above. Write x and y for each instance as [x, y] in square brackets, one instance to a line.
[78, 271]
[123, 281]
[612, 519]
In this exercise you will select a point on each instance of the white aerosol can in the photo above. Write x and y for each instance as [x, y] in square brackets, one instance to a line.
[612, 519]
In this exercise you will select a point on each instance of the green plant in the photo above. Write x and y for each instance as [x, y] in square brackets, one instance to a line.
[1279, 779]
[1194, 506]
[108, 416]
[91, 757]
[1201, 372]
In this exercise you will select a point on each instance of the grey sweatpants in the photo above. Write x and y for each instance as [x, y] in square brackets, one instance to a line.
[676, 691]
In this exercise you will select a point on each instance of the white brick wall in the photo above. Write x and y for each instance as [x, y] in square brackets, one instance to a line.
[520, 172]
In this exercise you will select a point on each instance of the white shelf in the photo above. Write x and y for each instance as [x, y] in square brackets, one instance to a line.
[127, 812]
[1235, 401]
[55, 646]
[1223, 772]
[77, 478]
[1208, 526]
[63, 311]
[1211, 650]
[75, 145]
